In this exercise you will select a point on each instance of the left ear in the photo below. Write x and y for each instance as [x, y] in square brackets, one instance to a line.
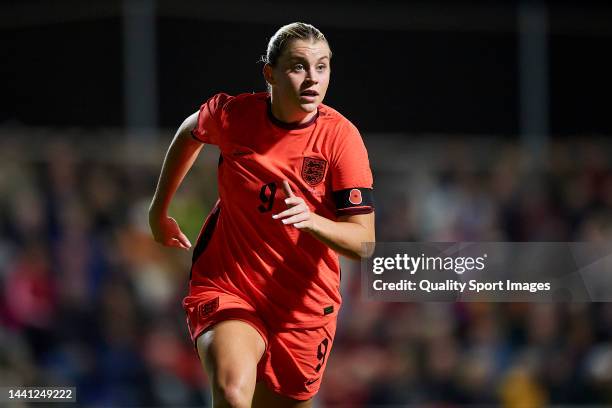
[268, 74]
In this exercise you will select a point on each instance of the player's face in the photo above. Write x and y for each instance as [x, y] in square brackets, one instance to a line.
[301, 77]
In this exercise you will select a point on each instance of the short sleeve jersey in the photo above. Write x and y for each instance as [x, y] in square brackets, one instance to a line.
[291, 278]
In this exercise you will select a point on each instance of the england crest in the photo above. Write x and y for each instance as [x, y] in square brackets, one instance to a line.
[209, 307]
[313, 170]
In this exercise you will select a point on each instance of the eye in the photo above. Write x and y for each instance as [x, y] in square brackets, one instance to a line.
[298, 67]
[321, 67]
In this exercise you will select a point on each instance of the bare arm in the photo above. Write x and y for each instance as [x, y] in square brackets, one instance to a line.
[345, 236]
[179, 158]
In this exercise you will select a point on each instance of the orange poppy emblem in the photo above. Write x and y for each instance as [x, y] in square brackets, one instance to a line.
[355, 197]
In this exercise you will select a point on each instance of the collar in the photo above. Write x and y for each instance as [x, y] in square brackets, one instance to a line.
[285, 125]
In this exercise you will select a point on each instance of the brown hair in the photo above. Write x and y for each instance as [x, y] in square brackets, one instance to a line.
[287, 33]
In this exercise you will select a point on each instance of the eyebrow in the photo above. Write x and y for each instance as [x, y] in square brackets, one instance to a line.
[298, 57]
[302, 57]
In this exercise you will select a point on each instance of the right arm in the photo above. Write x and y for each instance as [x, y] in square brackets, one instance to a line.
[181, 154]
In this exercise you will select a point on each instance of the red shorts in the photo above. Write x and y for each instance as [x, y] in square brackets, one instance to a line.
[294, 360]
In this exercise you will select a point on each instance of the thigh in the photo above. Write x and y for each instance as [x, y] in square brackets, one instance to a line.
[295, 360]
[266, 398]
[229, 352]
[229, 338]
[230, 346]
[206, 306]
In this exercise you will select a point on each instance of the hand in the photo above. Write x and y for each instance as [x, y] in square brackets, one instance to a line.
[167, 232]
[298, 214]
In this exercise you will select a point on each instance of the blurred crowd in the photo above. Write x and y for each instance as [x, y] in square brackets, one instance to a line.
[89, 300]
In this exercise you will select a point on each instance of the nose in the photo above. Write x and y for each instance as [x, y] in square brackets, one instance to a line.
[311, 76]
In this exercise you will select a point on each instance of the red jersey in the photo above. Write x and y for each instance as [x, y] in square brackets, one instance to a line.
[290, 278]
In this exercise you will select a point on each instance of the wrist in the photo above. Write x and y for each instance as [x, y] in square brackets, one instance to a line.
[157, 210]
[315, 226]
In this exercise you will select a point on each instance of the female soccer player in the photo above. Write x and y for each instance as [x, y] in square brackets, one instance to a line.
[295, 188]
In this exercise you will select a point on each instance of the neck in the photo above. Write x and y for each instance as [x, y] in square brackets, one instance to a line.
[294, 118]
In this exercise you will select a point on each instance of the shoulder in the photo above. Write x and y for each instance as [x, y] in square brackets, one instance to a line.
[245, 101]
[340, 126]
[227, 107]
[228, 102]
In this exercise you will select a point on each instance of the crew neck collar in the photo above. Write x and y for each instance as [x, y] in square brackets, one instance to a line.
[285, 125]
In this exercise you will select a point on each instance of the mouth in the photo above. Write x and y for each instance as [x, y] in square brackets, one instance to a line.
[309, 93]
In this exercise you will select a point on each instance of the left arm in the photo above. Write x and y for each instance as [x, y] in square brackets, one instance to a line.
[347, 235]
[344, 236]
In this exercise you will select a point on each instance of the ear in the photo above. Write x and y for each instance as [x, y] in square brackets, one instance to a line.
[268, 74]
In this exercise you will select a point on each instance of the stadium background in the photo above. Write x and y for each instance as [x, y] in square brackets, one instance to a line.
[484, 121]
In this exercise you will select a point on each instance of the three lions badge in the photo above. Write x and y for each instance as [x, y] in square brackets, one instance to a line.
[313, 170]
